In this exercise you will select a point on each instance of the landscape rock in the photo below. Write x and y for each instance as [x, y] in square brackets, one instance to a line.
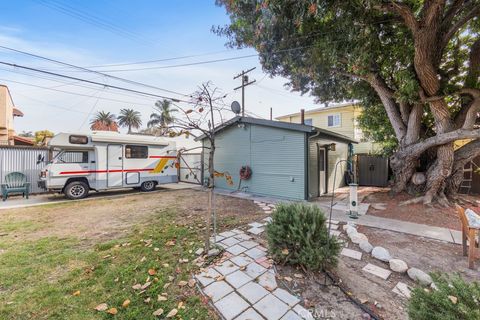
[366, 246]
[381, 254]
[199, 252]
[398, 265]
[357, 237]
[213, 252]
[351, 230]
[420, 276]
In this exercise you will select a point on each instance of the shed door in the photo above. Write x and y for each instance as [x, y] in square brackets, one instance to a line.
[114, 165]
[322, 166]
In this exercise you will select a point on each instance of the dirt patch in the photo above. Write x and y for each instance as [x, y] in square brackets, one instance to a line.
[425, 254]
[105, 219]
[432, 215]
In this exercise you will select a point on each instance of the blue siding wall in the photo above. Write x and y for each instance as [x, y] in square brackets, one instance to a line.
[276, 156]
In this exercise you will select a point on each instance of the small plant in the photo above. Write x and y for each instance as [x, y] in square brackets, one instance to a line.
[298, 234]
[452, 299]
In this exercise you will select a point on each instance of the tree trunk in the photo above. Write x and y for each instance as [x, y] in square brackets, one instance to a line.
[462, 156]
[211, 203]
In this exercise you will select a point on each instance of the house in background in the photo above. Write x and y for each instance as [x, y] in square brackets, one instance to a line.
[287, 160]
[338, 118]
[8, 112]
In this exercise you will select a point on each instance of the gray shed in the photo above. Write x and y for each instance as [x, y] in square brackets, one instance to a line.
[288, 160]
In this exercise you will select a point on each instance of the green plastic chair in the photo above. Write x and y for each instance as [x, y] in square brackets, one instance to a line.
[15, 182]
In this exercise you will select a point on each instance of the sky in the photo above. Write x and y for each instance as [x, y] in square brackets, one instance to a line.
[98, 34]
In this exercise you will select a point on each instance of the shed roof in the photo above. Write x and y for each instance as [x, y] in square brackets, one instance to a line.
[282, 125]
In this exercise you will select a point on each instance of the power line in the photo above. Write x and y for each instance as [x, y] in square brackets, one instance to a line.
[89, 70]
[159, 60]
[73, 93]
[92, 20]
[92, 82]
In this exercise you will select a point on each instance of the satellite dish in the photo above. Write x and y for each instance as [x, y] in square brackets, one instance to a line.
[236, 108]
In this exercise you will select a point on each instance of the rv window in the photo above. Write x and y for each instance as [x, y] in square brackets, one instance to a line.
[78, 139]
[73, 157]
[136, 152]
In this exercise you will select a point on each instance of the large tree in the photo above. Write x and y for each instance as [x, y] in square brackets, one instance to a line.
[419, 59]
[104, 121]
[129, 118]
[162, 117]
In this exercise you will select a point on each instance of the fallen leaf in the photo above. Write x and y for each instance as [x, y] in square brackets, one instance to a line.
[182, 283]
[76, 293]
[167, 285]
[156, 249]
[171, 278]
[191, 283]
[170, 243]
[125, 303]
[137, 286]
[146, 285]
[172, 313]
[285, 252]
[166, 265]
[288, 279]
[147, 300]
[143, 259]
[158, 312]
[243, 268]
[152, 272]
[220, 278]
[101, 307]
[180, 305]
[113, 311]
[453, 299]
[298, 275]
[161, 298]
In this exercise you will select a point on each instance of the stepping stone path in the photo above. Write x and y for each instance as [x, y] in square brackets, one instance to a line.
[377, 271]
[357, 255]
[242, 285]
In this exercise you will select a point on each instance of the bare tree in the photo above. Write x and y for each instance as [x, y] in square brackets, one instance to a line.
[200, 121]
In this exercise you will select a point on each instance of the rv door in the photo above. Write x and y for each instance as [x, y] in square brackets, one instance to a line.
[115, 165]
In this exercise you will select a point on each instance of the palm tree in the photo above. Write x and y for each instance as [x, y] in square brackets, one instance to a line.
[163, 117]
[104, 121]
[129, 118]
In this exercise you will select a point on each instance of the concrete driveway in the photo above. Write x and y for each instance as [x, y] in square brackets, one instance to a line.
[16, 201]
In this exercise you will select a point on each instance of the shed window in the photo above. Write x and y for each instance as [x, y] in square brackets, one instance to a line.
[136, 152]
[78, 139]
[334, 120]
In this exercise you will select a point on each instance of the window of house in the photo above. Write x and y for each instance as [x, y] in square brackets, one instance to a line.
[334, 120]
[78, 139]
[309, 122]
[136, 152]
[73, 157]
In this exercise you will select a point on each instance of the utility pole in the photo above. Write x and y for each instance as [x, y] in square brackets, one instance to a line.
[244, 84]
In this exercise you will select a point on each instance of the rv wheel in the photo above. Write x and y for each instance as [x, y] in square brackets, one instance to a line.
[76, 190]
[148, 186]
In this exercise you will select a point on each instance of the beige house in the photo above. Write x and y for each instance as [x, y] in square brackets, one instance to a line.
[339, 118]
[7, 112]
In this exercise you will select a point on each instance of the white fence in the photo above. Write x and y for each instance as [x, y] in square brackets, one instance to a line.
[24, 160]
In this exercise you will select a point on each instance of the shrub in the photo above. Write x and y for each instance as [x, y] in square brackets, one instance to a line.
[452, 299]
[298, 234]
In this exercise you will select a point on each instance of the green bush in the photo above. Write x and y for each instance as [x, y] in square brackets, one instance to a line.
[298, 234]
[452, 299]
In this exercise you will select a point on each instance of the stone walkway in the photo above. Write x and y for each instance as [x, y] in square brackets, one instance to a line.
[338, 213]
[242, 284]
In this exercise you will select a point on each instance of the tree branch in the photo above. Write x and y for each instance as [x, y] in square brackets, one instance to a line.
[439, 139]
[403, 11]
[451, 13]
[475, 10]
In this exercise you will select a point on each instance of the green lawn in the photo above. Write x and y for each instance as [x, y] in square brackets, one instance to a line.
[38, 278]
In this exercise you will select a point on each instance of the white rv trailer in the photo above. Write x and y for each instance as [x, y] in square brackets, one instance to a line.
[108, 160]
